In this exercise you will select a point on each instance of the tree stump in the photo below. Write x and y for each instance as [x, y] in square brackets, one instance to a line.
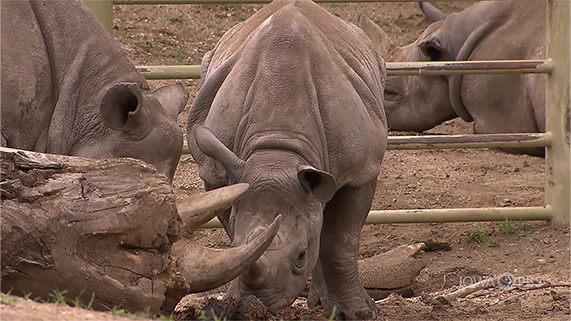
[88, 226]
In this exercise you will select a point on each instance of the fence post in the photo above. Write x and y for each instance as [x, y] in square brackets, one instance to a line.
[558, 164]
[103, 11]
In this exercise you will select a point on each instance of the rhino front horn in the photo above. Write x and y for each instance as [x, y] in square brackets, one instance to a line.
[198, 209]
[206, 268]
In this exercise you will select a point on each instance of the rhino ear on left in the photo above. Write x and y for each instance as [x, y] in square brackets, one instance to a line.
[319, 183]
[173, 98]
[434, 50]
[382, 42]
[121, 109]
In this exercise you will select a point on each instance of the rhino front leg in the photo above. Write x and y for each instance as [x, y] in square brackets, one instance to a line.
[344, 217]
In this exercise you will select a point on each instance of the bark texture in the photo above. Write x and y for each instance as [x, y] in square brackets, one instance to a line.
[89, 226]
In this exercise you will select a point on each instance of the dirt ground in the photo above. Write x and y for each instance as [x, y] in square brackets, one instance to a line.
[459, 253]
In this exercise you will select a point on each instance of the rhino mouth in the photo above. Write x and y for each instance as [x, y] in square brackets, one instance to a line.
[273, 298]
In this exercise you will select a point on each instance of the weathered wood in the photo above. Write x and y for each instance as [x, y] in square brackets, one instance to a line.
[392, 271]
[88, 226]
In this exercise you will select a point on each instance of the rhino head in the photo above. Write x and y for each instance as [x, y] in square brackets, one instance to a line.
[280, 184]
[413, 103]
[142, 125]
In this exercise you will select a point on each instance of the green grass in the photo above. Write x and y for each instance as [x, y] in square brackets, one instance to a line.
[333, 313]
[478, 235]
[174, 19]
[382, 22]
[508, 227]
[226, 7]
[78, 301]
[409, 40]
[215, 317]
[219, 29]
[7, 298]
[521, 229]
[58, 297]
[181, 54]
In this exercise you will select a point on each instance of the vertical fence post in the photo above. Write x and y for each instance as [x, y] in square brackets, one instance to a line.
[558, 164]
[103, 11]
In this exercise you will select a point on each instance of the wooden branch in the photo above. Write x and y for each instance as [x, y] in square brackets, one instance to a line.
[88, 226]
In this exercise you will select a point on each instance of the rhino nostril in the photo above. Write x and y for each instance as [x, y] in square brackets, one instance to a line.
[255, 277]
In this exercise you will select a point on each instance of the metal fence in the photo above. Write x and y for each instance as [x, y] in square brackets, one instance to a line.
[556, 139]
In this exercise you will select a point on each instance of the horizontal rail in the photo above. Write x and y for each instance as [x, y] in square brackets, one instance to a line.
[393, 68]
[524, 140]
[448, 215]
[527, 140]
[170, 72]
[438, 68]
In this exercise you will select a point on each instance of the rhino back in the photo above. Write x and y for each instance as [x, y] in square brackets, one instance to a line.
[83, 59]
[521, 36]
[28, 95]
[304, 80]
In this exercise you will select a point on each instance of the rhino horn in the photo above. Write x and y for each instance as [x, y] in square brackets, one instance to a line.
[431, 12]
[211, 146]
[206, 268]
[198, 209]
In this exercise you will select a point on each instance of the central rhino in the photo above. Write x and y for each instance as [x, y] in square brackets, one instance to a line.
[292, 104]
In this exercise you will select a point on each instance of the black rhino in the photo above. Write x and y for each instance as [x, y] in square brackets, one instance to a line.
[487, 30]
[68, 88]
[292, 104]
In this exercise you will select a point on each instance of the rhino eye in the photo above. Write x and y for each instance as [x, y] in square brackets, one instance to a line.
[391, 95]
[301, 255]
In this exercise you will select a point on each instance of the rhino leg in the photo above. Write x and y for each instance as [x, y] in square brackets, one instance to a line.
[344, 217]
[317, 289]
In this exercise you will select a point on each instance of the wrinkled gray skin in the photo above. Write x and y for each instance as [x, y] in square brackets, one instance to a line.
[68, 88]
[292, 105]
[484, 31]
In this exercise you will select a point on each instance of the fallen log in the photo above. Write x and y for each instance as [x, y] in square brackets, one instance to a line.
[392, 271]
[88, 226]
[110, 227]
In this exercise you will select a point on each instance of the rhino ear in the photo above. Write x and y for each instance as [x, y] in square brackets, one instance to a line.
[380, 39]
[122, 109]
[173, 98]
[319, 183]
[434, 50]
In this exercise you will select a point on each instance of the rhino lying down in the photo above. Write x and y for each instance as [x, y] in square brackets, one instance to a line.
[484, 31]
[68, 88]
[292, 105]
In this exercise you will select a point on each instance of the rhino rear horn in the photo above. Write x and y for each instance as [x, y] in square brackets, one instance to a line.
[173, 98]
[212, 147]
[121, 108]
[206, 268]
[431, 12]
[200, 208]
